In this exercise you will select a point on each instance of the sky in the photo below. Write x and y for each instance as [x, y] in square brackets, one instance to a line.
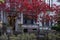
[55, 2]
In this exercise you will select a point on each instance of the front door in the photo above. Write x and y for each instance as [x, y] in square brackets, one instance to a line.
[11, 21]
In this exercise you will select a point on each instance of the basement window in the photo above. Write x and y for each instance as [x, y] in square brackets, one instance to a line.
[25, 30]
[34, 29]
[58, 22]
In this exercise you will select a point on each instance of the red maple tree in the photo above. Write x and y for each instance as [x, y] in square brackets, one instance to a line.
[31, 8]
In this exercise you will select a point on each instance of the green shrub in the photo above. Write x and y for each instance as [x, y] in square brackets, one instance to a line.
[56, 27]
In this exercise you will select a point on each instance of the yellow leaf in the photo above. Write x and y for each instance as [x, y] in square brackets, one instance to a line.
[2, 1]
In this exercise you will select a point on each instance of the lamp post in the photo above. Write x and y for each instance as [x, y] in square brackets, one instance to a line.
[8, 32]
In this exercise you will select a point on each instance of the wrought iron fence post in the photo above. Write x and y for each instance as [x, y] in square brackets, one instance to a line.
[8, 37]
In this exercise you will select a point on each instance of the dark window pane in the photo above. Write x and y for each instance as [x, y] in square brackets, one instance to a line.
[43, 23]
[32, 22]
[28, 21]
[24, 21]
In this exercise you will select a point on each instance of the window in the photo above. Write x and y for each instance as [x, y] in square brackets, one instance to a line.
[26, 20]
[43, 22]
[51, 22]
[47, 23]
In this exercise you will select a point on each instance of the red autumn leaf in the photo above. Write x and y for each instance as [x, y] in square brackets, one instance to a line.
[7, 10]
[29, 7]
[47, 17]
